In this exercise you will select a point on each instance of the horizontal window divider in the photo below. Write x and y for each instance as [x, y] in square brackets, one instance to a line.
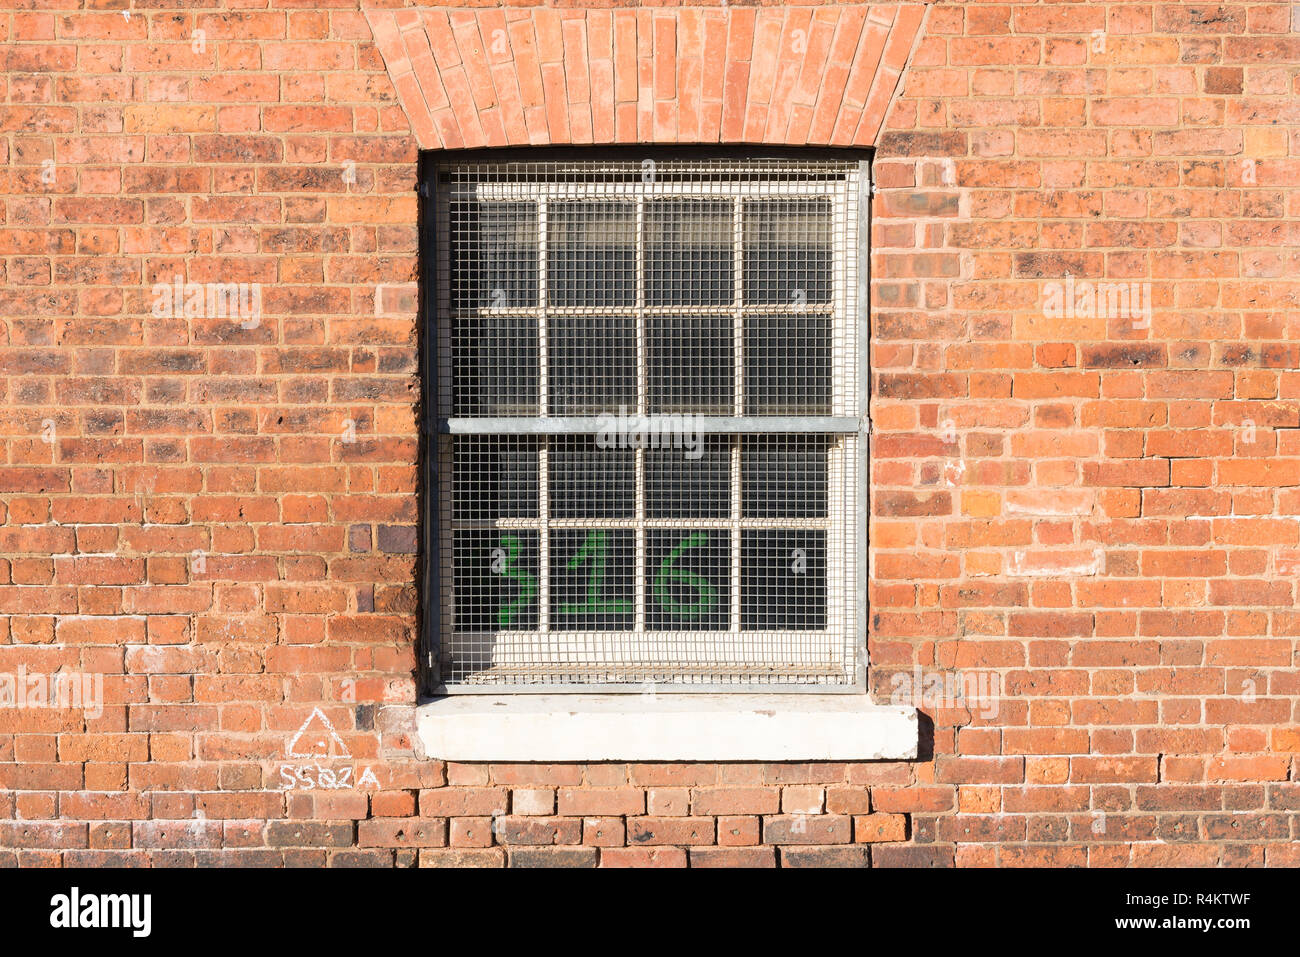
[794, 523]
[624, 185]
[711, 424]
[666, 687]
[782, 310]
[580, 636]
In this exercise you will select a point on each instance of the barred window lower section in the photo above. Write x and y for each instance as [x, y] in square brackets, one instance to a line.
[650, 397]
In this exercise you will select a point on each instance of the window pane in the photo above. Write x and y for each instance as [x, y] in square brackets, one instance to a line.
[494, 369]
[495, 579]
[680, 483]
[689, 579]
[782, 580]
[689, 252]
[493, 255]
[587, 481]
[493, 477]
[592, 579]
[591, 254]
[592, 365]
[783, 476]
[787, 251]
[690, 364]
[787, 365]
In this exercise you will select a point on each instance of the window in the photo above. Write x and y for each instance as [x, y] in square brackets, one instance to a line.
[647, 380]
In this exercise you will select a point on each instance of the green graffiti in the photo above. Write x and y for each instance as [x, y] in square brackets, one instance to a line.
[668, 573]
[593, 555]
[593, 552]
[527, 582]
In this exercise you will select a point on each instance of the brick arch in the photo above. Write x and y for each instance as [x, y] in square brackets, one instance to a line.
[779, 75]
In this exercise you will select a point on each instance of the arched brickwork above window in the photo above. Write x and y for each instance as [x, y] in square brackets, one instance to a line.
[517, 76]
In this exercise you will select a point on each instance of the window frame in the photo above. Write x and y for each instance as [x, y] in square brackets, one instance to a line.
[433, 424]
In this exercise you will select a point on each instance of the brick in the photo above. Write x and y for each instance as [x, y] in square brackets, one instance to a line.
[463, 801]
[604, 831]
[553, 857]
[674, 802]
[308, 833]
[532, 801]
[823, 856]
[538, 830]
[470, 832]
[669, 830]
[732, 856]
[912, 855]
[402, 832]
[483, 857]
[807, 829]
[717, 801]
[736, 831]
[870, 828]
[803, 800]
[643, 857]
[597, 801]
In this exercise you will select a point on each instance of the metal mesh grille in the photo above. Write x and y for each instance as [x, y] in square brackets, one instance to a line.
[651, 383]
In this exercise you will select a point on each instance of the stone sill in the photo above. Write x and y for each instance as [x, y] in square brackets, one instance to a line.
[665, 727]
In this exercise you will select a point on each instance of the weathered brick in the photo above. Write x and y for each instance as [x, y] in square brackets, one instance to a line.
[532, 801]
[461, 802]
[459, 857]
[402, 832]
[669, 830]
[823, 856]
[538, 830]
[553, 857]
[732, 856]
[879, 827]
[597, 801]
[807, 829]
[643, 857]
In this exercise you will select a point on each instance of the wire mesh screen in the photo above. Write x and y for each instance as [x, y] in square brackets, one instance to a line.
[650, 385]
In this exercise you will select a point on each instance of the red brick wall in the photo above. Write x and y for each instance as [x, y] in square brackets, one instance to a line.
[218, 516]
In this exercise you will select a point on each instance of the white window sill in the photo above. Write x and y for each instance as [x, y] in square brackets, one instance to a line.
[665, 727]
